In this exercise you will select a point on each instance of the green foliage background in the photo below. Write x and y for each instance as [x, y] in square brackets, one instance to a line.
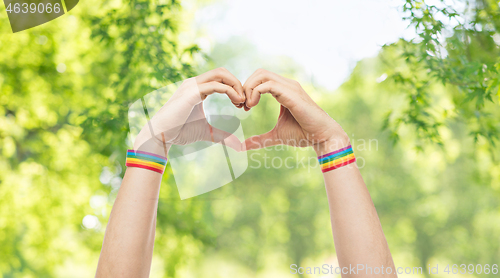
[423, 118]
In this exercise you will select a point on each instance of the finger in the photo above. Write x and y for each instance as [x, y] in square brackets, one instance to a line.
[223, 76]
[260, 141]
[270, 87]
[209, 88]
[258, 77]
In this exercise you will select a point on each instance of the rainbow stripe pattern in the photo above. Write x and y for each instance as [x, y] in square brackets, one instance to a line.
[336, 159]
[145, 160]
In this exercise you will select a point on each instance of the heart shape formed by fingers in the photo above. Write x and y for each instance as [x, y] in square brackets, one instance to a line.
[301, 122]
[198, 149]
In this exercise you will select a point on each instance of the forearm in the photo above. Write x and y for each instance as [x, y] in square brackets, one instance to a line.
[357, 232]
[128, 243]
[127, 249]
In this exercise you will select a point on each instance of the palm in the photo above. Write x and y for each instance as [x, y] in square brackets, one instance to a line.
[289, 131]
[198, 129]
[195, 129]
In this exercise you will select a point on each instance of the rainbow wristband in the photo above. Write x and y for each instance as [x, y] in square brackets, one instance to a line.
[336, 159]
[145, 160]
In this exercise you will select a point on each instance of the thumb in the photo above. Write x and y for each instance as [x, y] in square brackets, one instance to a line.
[261, 141]
[222, 137]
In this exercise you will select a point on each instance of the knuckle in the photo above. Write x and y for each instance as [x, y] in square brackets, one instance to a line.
[271, 85]
[219, 71]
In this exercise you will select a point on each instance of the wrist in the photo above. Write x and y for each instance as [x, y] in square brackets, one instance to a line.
[332, 144]
[147, 143]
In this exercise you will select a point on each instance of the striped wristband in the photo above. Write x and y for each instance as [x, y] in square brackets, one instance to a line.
[145, 160]
[336, 159]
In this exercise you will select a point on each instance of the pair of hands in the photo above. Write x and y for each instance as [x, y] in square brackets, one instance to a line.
[301, 121]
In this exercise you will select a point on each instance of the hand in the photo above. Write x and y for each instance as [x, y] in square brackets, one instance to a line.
[301, 121]
[182, 121]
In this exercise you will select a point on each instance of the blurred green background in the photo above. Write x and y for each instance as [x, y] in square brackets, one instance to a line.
[423, 116]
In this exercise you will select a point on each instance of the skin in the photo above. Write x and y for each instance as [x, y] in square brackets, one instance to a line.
[357, 232]
[128, 243]
[181, 121]
[127, 248]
